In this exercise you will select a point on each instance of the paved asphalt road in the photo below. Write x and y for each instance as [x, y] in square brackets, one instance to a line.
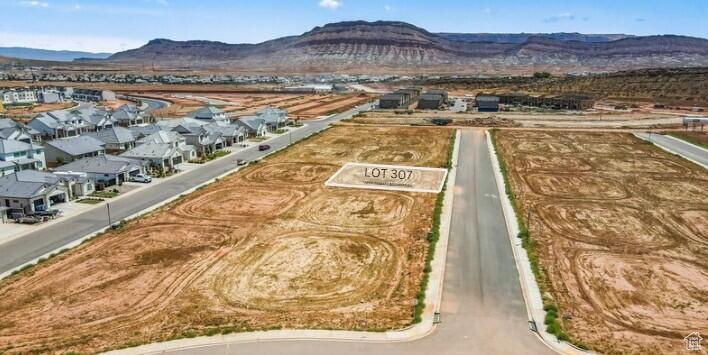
[483, 311]
[685, 149]
[31, 246]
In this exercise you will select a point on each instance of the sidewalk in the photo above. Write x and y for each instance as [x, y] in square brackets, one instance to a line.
[11, 231]
[433, 299]
[529, 287]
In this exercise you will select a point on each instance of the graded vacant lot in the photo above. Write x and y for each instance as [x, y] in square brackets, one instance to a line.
[620, 228]
[267, 247]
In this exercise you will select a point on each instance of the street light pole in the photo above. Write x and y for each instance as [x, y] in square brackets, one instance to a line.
[108, 207]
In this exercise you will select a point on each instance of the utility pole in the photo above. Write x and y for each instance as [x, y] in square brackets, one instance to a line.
[108, 207]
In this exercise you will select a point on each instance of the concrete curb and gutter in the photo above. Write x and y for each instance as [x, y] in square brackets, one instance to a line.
[665, 148]
[433, 300]
[529, 286]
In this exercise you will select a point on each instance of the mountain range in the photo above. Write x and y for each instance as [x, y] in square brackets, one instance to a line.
[399, 47]
[48, 54]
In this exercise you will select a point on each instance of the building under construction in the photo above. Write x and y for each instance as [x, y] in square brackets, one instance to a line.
[432, 100]
[400, 98]
[564, 102]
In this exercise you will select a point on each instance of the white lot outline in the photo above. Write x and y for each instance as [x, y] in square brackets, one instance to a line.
[330, 182]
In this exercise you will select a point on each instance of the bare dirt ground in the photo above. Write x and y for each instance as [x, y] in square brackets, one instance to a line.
[267, 247]
[243, 104]
[547, 119]
[25, 113]
[621, 231]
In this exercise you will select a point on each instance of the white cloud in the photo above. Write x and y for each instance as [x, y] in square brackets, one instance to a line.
[68, 42]
[388, 8]
[330, 4]
[77, 7]
[566, 16]
[35, 3]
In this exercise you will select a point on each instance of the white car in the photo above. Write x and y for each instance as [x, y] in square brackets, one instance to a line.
[144, 178]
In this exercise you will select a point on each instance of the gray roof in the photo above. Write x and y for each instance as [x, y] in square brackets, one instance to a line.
[77, 145]
[396, 97]
[103, 164]
[487, 98]
[144, 131]
[162, 137]
[6, 164]
[27, 184]
[9, 146]
[7, 123]
[250, 122]
[114, 135]
[206, 113]
[152, 151]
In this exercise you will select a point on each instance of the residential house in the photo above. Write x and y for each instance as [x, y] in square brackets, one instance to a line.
[58, 124]
[115, 139]
[174, 139]
[32, 190]
[144, 130]
[203, 140]
[97, 119]
[66, 150]
[23, 155]
[160, 156]
[77, 184]
[128, 115]
[6, 168]
[209, 113]
[254, 126]
[10, 129]
[230, 133]
[106, 169]
[273, 117]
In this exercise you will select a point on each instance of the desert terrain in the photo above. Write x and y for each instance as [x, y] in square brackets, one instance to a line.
[620, 228]
[267, 247]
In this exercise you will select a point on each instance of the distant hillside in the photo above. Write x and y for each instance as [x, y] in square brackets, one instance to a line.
[50, 55]
[519, 38]
[386, 47]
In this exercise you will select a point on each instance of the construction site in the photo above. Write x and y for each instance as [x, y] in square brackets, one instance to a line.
[267, 247]
[620, 230]
[300, 106]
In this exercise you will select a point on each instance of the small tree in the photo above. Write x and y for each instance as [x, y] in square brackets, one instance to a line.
[541, 75]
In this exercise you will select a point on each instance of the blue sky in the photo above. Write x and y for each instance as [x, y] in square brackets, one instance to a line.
[93, 25]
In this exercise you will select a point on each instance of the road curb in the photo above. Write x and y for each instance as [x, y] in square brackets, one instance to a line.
[529, 287]
[427, 326]
[671, 151]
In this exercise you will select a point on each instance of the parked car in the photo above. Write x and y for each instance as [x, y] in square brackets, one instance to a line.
[241, 162]
[143, 178]
[263, 147]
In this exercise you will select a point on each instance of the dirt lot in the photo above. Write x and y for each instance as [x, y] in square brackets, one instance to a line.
[621, 231]
[267, 247]
[547, 119]
[25, 113]
[235, 104]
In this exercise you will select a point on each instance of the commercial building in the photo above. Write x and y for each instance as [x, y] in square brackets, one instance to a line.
[432, 100]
